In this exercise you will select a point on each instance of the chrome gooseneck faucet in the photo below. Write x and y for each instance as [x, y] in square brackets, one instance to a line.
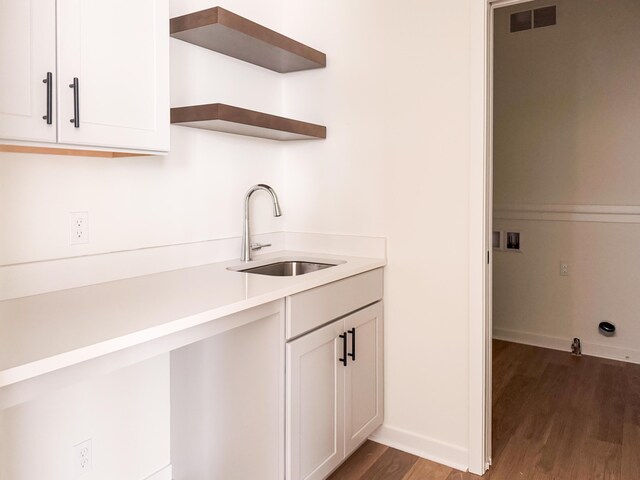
[247, 246]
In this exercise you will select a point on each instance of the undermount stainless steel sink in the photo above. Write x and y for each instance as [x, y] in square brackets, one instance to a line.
[290, 268]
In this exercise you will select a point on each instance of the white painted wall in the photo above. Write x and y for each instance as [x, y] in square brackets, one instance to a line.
[395, 96]
[125, 414]
[534, 304]
[566, 106]
[566, 111]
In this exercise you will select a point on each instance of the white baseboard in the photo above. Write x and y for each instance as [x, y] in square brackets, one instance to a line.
[564, 344]
[440, 452]
[164, 474]
[536, 340]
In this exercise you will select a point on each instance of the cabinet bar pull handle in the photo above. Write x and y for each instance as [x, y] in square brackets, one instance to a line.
[344, 349]
[353, 344]
[76, 103]
[49, 82]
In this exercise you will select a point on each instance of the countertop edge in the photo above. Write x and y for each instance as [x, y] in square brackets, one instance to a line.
[59, 361]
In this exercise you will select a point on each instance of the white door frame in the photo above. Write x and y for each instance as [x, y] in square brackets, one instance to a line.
[480, 230]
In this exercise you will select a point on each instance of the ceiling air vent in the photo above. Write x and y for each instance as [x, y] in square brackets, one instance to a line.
[544, 17]
[538, 18]
[521, 21]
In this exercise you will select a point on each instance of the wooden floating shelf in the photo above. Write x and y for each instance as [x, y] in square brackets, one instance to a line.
[225, 118]
[225, 32]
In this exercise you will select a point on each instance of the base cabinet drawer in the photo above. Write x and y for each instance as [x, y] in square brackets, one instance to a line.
[334, 392]
[313, 308]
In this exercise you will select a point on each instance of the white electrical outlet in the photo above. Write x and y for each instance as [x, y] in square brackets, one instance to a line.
[564, 269]
[78, 228]
[82, 458]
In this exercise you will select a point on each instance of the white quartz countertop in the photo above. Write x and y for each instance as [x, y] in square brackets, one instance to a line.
[43, 333]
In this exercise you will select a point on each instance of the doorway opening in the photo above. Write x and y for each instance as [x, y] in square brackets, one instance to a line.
[564, 231]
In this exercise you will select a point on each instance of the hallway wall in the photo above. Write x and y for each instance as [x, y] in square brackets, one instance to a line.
[566, 175]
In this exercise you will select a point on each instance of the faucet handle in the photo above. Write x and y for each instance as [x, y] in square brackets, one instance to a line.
[259, 246]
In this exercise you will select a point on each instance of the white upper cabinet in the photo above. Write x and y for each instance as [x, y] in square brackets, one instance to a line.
[27, 54]
[116, 53]
[118, 50]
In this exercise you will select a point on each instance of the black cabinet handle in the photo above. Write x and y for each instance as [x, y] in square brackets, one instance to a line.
[353, 344]
[49, 82]
[76, 103]
[344, 349]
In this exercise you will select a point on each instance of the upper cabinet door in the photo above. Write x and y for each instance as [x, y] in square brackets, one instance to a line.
[27, 54]
[118, 50]
[363, 381]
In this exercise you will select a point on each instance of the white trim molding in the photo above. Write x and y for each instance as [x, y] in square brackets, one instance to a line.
[564, 344]
[567, 213]
[440, 452]
[480, 230]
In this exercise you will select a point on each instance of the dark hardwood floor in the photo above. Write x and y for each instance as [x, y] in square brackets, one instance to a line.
[555, 417]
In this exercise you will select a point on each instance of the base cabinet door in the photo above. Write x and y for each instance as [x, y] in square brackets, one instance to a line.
[315, 399]
[27, 57]
[364, 376]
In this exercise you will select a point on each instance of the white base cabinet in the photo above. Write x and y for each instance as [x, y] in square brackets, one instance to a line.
[255, 402]
[334, 392]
